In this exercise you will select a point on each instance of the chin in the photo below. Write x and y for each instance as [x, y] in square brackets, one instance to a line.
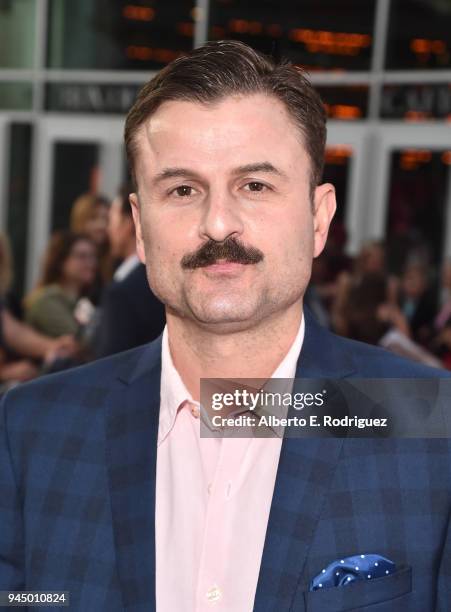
[222, 310]
[227, 327]
[230, 318]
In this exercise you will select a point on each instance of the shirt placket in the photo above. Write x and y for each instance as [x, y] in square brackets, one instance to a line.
[218, 533]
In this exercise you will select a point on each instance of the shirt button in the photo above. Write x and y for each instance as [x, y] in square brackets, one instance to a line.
[214, 594]
[209, 488]
[195, 411]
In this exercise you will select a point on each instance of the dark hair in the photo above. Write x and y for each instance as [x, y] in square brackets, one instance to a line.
[58, 251]
[224, 68]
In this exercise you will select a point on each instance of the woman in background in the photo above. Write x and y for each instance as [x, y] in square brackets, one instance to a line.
[22, 350]
[70, 268]
[89, 215]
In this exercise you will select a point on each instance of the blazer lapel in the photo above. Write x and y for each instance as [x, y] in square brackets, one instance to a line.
[305, 472]
[132, 432]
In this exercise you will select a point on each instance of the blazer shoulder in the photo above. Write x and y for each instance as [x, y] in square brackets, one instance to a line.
[80, 388]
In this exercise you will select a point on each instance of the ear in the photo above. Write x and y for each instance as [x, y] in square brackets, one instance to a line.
[324, 206]
[134, 202]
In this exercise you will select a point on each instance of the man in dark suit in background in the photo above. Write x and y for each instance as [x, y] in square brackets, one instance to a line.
[130, 314]
[106, 488]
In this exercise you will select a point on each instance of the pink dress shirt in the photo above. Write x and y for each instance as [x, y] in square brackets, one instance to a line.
[213, 498]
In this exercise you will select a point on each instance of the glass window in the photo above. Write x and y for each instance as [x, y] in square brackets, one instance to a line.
[116, 34]
[17, 33]
[345, 103]
[419, 34]
[16, 96]
[417, 205]
[104, 98]
[18, 199]
[416, 101]
[75, 172]
[311, 33]
[336, 171]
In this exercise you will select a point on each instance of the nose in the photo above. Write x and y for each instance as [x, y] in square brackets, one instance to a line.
[221, 218]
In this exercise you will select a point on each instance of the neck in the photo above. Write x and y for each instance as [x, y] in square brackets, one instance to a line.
[255, 352]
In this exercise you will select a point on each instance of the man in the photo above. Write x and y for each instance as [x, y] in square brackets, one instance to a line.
[130, 314]
[108, 489]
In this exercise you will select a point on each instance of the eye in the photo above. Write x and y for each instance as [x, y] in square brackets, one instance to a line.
[183, 191]
[255, 187]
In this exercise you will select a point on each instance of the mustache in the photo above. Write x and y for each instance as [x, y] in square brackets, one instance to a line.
[232, 250]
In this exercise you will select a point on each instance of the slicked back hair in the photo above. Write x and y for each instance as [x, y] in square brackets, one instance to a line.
[230, 68]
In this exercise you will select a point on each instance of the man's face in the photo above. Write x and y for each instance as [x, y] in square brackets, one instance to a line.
[233, 170]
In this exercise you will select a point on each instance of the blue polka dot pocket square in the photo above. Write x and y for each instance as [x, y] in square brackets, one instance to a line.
[353, 583]
[345, 571]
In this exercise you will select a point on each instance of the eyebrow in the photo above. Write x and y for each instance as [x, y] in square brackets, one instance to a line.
[258, 167]
[169, 173]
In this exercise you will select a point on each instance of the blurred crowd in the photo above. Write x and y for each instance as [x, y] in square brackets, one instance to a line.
[92, 298]
[391, 297]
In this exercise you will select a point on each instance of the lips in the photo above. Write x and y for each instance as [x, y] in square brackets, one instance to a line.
[222, 266]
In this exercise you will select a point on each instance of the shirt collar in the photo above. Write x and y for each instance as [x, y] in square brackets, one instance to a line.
[173, 390]
[127, 266]
[287, 367]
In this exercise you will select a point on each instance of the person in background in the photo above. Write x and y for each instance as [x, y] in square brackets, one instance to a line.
[6, 267]
[33, 350]
[369, 316]
[89, 215]
[441, 341]
[371, 260]
[326, 272]
[22, 350]
[70, 268]
[130, 314]
[417, 301]
[443, 315]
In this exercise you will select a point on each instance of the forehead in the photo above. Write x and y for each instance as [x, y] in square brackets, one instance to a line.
[231, 132]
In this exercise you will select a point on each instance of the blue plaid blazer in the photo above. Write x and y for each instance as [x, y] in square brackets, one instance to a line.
[77, 493]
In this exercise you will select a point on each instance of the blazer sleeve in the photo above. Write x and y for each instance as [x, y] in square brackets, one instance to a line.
[12, 575]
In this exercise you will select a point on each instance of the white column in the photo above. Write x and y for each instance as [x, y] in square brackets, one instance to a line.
[201, 23]
[4, 167]
[40, 201]
[112, 164]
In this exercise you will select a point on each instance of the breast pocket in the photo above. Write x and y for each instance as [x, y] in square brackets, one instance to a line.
[390, 592]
